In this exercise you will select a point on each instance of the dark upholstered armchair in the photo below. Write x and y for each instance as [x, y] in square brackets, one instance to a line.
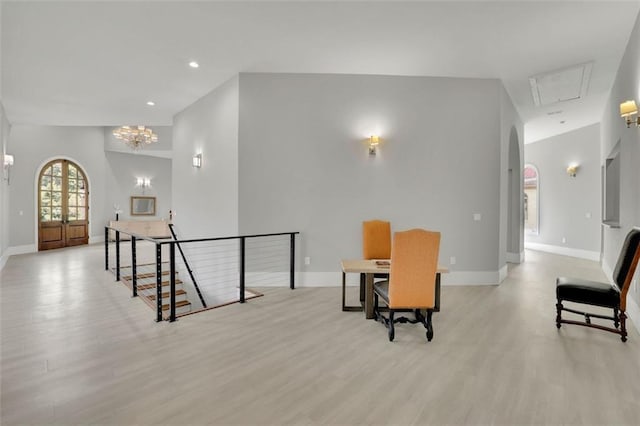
[612, 296]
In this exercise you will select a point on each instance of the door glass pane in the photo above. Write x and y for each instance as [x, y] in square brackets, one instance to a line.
[56, 213]
[57, 169]
[57, 183]
[81, 214]
[73, 213]
[45, 182]
[72, 201]
[45, 198]
[81, 199]
[81, 186]
[72, 171]
[56, 198]
[73, 185]
[47, 171]
[45, 214]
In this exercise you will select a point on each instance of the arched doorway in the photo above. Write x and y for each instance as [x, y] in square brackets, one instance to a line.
[63, 205]
[515, 231]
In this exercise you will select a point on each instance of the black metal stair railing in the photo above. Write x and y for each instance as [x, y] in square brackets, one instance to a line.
[184, 259]
[215, 260]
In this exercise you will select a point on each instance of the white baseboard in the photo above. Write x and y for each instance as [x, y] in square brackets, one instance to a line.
[565, 251]
[474, 277]
[334, 279]
[27, 248]
[515, 257]
[94, 239]
[10, 251]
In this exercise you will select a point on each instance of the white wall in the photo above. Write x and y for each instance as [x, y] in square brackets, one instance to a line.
[613, 129]
[566, 201]
[304, 164]
[206, 200]
[32, 146]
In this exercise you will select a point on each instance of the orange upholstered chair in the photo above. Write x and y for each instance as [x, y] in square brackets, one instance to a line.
[412, 279]
[376, 244]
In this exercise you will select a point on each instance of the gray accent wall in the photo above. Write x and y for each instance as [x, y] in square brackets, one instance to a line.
[565, 202]
[304, 166]
[613, 129]
[206, 199]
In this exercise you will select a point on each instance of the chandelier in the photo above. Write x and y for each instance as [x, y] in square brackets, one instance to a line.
[135, 136]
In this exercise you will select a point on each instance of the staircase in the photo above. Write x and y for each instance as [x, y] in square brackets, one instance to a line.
[146, 284]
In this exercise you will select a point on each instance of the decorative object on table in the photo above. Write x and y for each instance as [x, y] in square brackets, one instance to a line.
[412, 278]
[135, 136]
[613, 296]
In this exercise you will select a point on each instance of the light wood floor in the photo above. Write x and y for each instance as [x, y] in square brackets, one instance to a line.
[77, 349]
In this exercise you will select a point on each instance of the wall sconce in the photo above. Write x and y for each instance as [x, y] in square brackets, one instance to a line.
[143, 182]
[572, 169]
[8, 162]
[374, 141]
[627, 110]
[196, 161]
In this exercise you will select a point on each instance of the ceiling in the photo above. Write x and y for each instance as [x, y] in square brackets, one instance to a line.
[98, 63]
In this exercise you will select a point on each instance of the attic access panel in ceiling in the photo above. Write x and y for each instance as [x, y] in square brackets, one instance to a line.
[560, 86]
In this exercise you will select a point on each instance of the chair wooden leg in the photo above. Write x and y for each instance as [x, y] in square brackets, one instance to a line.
[392, 331]
[616, 320]
[559, 314]
[623, 326]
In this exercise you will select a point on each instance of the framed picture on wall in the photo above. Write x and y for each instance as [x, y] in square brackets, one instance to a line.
[143, 206]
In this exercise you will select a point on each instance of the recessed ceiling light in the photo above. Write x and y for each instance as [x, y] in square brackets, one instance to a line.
[151, 103]
[194, 64]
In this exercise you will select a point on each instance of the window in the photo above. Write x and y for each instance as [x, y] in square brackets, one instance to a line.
[531, 199]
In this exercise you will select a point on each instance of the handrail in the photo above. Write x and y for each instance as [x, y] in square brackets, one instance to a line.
[158, 242]
[184, 259]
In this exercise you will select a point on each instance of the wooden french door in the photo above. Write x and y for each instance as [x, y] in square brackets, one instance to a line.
[63, 205]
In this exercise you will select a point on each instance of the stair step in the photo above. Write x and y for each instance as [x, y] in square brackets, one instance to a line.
[153, 285]
[182, 307]
[166, 295]
[143, 275]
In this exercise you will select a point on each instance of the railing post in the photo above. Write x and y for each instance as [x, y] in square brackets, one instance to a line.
[292, 255]
[172, 281]
[117, 255]
[106, 248]
[158, 282]
[242, 240]
[134, 268]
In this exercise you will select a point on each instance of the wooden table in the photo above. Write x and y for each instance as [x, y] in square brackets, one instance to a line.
[369, 268]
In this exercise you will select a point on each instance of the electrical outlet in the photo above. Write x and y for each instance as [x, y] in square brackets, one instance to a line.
[452, 260]
[477, 216]
[307, 260]
[587, 215]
